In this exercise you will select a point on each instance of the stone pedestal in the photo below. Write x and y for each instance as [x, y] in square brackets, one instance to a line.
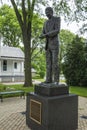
[52, 108]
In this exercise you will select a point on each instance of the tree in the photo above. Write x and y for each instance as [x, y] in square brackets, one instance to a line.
[9, 27]
[81, 9]
[75, 62]
[72, 10]
[25, 21]
[66, 37]
[81, 14]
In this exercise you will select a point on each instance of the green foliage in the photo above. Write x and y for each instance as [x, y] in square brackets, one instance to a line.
[62, 8]
[2, 87]
[41, 73]
[66, 37]
[9, 27]
[37, 44]
[75, 63]
[39, 63]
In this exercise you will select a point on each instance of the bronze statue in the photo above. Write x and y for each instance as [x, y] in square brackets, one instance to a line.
[50, 32]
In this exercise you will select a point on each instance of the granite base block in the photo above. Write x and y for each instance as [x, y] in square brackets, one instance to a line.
[51, 89]
[57, 112]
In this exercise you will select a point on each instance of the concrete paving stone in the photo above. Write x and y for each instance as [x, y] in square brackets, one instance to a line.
[11, 117]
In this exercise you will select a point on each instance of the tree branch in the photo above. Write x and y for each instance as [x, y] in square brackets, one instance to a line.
[24, 11]
[33, 4]
[34, 48]
[29, 4]
[31, 9]
[17, 13]
[34, 56]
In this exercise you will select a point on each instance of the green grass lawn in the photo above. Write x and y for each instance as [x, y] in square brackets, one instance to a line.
[37, 77]
[80, 91]
[15, 87]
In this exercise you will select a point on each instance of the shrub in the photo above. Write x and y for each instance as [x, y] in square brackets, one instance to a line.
[75, 63]
[42, 74]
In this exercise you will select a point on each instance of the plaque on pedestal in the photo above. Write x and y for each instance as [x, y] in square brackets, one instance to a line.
[35, 111]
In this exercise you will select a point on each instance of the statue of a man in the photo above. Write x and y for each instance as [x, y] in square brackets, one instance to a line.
[50, 32]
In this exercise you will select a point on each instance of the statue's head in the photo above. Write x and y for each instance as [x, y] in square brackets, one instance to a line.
[49, 12]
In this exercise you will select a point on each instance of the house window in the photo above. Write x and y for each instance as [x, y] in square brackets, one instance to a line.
[15, 65]
[5, 65]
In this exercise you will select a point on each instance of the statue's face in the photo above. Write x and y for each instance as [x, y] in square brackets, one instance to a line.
[49, 13]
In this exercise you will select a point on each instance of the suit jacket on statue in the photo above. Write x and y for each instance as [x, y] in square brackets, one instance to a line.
[52, 28]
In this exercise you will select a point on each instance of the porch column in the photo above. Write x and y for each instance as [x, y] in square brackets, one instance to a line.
[21, 67]
[13, 71]
[0, 69]
[0, 57]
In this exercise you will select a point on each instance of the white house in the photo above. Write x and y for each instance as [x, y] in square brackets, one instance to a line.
[11, 64]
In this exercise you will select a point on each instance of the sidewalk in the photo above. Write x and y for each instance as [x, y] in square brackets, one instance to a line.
[12, 114]
[13, 83]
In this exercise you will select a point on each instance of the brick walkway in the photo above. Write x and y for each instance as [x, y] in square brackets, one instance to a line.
[12, 116]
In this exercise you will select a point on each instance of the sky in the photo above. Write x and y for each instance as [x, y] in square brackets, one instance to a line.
[73, 26]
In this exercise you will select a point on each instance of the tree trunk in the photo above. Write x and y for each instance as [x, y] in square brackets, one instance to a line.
[27, 51]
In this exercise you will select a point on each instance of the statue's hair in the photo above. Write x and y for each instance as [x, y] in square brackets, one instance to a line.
[50, 9]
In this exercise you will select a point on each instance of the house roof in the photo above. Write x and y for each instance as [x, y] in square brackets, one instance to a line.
[11, 52]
